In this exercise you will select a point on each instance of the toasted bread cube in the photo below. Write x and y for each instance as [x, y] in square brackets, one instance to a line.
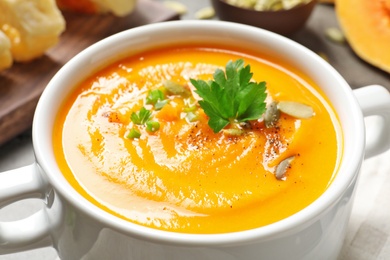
[33, 26]
[5, 52]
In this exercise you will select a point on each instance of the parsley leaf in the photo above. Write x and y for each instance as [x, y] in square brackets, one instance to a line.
[231, 97]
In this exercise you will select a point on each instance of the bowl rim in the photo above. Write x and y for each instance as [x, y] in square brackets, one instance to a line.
[42, 142]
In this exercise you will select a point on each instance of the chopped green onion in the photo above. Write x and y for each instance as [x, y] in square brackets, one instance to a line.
[154, 96]
[160, 104]
[152, 126]
[141, 117]
[176, 88]
[190, 109]
[191, 117]
[134, 133]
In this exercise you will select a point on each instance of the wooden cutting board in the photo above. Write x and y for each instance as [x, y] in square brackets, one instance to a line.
[22, 85]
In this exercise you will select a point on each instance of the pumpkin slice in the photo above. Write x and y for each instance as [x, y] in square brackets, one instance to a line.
[84, 6]
[327, 1]
[366, 24]
[117, 7]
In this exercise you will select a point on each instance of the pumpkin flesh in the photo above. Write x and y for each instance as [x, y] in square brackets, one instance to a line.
[366, 25]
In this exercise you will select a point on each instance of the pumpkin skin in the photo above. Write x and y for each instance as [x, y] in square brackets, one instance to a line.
[83, 6]
[366, 25]
[116, 7]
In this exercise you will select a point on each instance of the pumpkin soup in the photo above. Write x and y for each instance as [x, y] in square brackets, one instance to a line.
[157, 140]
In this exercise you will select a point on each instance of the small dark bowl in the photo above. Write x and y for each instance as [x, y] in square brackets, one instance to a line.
[285, 22]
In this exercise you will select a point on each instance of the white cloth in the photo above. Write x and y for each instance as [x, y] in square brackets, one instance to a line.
[368, 236]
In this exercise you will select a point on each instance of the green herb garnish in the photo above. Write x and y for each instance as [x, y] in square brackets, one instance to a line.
[154, 96]
[134, 133]
[152, 126]
[191, 117]
[231, 97]
[157, 98]
[190, 109]
[160, 104]
[175, 88]
[141, 117]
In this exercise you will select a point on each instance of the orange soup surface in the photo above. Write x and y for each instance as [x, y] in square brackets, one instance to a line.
[177, 174]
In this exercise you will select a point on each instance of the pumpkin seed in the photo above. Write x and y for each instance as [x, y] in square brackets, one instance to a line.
[323, 56]
[282, 167]
[335, 35]
[271, 115]
[289, 4]
[267, 5]
[242, 3]
[176, 6]
[176, 88]
[296, 109]
[205, 13]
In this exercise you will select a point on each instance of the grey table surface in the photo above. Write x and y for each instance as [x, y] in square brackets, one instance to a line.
[19, 151]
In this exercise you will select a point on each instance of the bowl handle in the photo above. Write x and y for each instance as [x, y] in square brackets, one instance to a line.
[33, 231]
[374, 100]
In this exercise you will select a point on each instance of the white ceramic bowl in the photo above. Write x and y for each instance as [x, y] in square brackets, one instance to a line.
[79, 230]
